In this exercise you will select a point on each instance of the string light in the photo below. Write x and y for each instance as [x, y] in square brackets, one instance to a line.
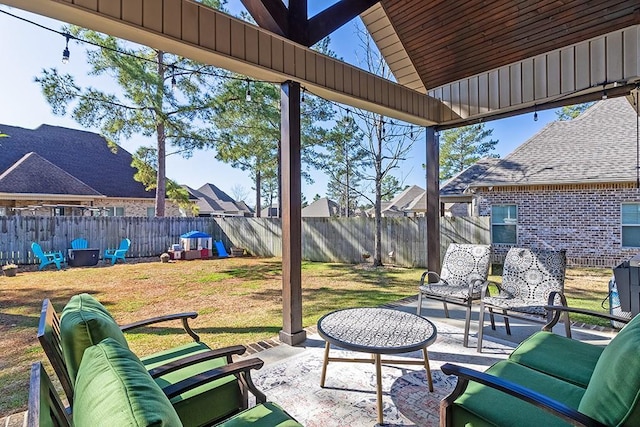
[604, 91]
[248, 95]
[535, 113]
[65, 52]
[173, 78]
[302, 98]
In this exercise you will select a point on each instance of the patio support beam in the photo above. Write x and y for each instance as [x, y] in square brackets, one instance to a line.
[291, 202]
[433, 200]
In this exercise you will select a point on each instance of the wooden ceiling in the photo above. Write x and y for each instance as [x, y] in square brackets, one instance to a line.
[450, 40]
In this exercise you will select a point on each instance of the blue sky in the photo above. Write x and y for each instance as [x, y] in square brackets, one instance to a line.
[27, 49]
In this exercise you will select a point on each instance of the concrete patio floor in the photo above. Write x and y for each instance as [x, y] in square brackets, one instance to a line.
[282, 359]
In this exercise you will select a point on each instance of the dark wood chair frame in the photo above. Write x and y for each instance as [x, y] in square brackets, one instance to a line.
[49, 337]
[539, 400]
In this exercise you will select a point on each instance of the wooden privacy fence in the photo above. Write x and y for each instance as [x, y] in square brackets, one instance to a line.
[323, 239]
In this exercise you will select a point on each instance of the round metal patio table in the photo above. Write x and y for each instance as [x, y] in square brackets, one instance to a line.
[377, 331]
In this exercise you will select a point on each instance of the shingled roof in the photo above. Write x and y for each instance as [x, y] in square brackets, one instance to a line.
[83, 155]
[212, 200]
[575, 151]
[456, 186]
[33, 174]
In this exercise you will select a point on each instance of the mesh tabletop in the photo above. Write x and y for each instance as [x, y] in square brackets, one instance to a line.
[377, 330]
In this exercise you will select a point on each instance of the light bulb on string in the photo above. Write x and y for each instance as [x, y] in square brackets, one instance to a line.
[248, 95]
[302, 98]
[65, 53]
[173, 78]
[535, 113]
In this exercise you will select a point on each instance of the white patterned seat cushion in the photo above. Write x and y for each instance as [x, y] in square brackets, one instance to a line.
[463, 264]
[529, 276]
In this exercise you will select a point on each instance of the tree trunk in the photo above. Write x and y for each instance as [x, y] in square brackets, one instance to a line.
[161, 137]
[377, 258]
[258, 195]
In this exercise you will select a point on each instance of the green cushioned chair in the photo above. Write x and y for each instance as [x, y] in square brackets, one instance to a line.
[551, 381]
[113, 388]
[86, 322]
[540, 352]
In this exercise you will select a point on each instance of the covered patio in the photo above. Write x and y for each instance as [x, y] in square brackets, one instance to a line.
[453, 64]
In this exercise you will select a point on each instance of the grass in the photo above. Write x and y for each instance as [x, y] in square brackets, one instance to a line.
[239, 300]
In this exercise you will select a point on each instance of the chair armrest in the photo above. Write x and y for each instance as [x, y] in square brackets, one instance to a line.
[557, 311]
[429, 274]
[242, 369]
[539, 400]
[485, 288]
[177, 316]
[197, 358]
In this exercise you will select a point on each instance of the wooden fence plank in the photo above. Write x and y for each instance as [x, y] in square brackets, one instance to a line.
[324, 239]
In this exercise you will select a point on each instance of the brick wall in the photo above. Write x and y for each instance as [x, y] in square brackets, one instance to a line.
[583, 219]
[132, 207]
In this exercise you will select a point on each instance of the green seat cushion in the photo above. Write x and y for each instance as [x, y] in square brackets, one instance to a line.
[267, 414]
[480, 405]
[204, 404]
[85, 322]
[614, 390]
[541, 352]
[113, 388]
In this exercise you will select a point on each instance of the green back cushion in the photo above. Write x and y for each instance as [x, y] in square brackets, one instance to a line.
[265, 415]
[614, 390]
[207, 403]
[114, 389]
[85, 322]
[540, 352]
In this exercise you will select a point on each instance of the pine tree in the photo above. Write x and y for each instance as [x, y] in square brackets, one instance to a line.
[464, 146]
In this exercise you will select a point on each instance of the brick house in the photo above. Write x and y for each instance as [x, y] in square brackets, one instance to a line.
[574, 185]
[56, 171]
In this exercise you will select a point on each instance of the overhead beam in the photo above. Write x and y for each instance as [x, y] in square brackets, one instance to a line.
[271, 15]
[195, 31]
[334, 17]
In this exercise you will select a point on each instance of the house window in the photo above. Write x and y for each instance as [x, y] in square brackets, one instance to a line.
[630, 225]
[151, 212]
[114, 211]
[58, 211]
[504, 219]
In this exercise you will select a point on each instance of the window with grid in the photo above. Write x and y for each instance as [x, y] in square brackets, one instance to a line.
[630, 214]
[114, 211]
[504, 220]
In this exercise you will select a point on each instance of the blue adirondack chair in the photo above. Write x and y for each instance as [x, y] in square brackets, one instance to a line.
[47, 258]
[79, 243]
[115, 254]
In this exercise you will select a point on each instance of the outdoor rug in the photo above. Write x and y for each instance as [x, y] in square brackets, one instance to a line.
[349, 398]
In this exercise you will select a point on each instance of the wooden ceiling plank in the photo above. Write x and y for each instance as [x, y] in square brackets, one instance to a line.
[444, 33]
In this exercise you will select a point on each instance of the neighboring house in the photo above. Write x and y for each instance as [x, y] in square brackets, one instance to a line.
[455, 200]
[53, 171]
[404, 204]
[214, 202]
[323, 207]
[566, 188]
[269, 212]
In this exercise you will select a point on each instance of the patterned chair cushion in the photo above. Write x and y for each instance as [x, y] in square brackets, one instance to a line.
[463, 264]
[529, 276]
